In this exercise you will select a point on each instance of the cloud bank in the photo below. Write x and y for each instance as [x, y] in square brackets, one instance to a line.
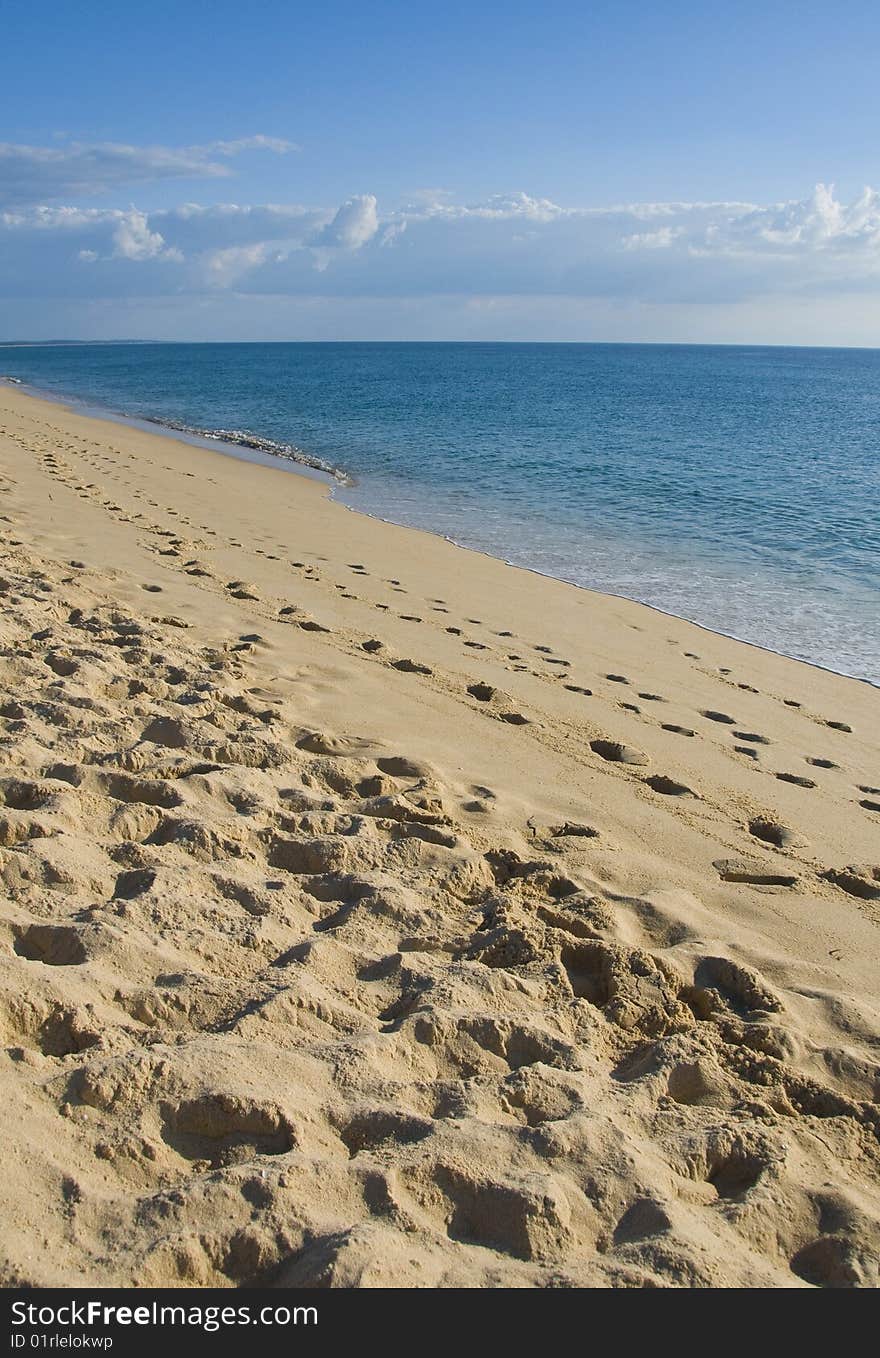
[672, 254]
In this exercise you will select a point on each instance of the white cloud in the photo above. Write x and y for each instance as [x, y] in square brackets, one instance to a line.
[133, 239]
[510, 246]
[38, 174]
[504, 207]
[819, 224]
[355, 222]
[652, 240]
[225, 267]
[258, 143]
[353, 225]
[55, 218]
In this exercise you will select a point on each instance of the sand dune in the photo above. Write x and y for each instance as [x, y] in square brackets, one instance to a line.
[375, 914]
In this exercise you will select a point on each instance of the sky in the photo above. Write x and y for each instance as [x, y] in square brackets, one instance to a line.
[568, 170]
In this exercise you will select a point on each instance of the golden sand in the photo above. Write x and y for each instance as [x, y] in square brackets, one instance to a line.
[376, 914]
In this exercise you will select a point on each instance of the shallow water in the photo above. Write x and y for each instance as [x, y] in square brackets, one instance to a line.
[734, 486]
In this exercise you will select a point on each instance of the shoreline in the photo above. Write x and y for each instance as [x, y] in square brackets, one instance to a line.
[236, 443]
[338, 479]
[375, 914]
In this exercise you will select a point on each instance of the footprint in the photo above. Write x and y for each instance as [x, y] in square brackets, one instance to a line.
[572, 829]
[617, 678]
[773, 832]
[398, 766]
[827, 1261]
[372, 645]
[55, 945]
[322, 742]
[668, 786]
[741, 870]
[132, 884]
[572, 688]
[617, 753]
[822, 763]
[797, 779]
[62, 665]
[719, 716]
[744, 749]
[839, 726]
[869, 805]
[482, 692]
[677, 730]
[863, 883]
[652, 697]
[239, 589]
[410, 667]
[752, 737]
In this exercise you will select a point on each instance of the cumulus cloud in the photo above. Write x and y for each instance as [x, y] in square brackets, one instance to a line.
[225, 267]
[506, 246]
[351, 227]
[353, 224]
[133, 239]
[819, 224]
[500, 207]
[39, 174]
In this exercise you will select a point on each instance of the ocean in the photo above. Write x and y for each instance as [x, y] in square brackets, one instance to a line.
[734, 486]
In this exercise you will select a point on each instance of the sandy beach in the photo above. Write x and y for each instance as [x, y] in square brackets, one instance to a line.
[376, 914]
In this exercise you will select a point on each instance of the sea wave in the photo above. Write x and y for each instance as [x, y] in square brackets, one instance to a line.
[241, 438]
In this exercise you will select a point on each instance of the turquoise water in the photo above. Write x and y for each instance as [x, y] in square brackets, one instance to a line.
[734, 486]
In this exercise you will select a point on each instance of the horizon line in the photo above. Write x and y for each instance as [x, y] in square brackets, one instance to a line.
[632, 344]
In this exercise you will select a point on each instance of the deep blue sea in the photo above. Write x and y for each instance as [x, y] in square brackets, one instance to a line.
[737, 487]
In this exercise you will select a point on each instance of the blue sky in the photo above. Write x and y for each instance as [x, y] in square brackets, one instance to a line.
[553, 171]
